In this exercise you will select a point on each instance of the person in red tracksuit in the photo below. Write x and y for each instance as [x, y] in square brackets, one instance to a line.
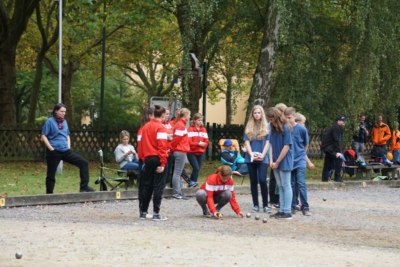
[180, 147]
[218, 190]
[170, 133]
[147, 115]
[154, 148]
[198, 141]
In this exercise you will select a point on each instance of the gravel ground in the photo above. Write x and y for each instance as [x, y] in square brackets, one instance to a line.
[353, 227]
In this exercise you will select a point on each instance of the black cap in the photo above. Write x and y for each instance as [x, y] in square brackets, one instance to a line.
[341, 118]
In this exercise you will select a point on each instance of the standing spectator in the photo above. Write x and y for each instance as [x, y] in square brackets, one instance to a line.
[256, 141]
[331, 146]
[180, 147]
[396, 144]
[147, 115]
[273, 195]
[170, 133]
[281, 160]
[154, 145]
[380, 134]
[55, 135]
[360, 138]
[198, 141]
[125, 153]
[298, 174]
[218, 190]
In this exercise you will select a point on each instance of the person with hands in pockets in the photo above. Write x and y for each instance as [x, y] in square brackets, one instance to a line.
[55, 135]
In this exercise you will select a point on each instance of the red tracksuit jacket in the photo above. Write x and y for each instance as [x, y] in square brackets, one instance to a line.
[195, 135]
[180, 142]
[214, 186]
[154, 141]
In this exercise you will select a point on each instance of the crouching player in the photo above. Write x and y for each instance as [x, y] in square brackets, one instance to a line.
[216, 192]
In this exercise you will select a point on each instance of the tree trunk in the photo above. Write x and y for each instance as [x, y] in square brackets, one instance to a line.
[68, 71]
[36, 87]
[228, 102]
[260, 91]
[7, 85]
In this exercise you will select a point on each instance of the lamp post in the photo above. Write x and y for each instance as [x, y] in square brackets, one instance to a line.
[60, 10]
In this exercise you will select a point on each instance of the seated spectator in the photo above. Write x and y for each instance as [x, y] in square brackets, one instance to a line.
[232, 157]
[125, 153]
[380, 134]
[216, 192]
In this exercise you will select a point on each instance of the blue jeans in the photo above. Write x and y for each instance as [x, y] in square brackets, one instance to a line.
[285, 190]
[258, 174]
[243, 168]
[298, 179]
[396, 155]
[195, 161]
[133, 165]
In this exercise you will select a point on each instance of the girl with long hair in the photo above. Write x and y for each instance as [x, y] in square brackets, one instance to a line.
[256, 142]
[281, 160]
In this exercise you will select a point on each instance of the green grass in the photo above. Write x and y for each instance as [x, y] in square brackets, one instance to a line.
[28, 178]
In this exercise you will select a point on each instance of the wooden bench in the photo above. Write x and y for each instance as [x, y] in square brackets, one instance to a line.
[365, 172]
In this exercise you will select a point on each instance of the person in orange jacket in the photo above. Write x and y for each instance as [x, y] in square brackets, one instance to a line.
[216, 192]
[380, 134]
[198, 141]
[395, 147]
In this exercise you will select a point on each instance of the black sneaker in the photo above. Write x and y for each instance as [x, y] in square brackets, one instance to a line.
[284, 216]
[87, 189]
[276, 214]
[206, 212]
[143, 216]
[159, 217]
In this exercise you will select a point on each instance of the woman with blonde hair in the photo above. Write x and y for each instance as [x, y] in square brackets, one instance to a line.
[257, 144]
[180, 147]
[281, 160]
[125, 153]
[216, 192]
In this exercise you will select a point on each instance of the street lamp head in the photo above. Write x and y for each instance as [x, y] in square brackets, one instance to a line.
[91, 101]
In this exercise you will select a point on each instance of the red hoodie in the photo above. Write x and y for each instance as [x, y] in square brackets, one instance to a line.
[214, 186]
[154, 141]
[195, 136]
[180, 142]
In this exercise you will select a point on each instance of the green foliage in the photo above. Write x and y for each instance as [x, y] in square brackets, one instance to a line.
[334, 59]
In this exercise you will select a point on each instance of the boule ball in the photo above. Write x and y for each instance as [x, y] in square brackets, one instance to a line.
[324, 199]
[248, 215]
[257, 217]
[18, 255]
[265, 220]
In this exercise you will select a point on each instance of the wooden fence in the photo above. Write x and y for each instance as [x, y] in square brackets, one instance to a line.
[22, 143]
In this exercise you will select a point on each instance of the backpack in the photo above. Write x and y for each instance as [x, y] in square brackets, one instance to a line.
[350, 156]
